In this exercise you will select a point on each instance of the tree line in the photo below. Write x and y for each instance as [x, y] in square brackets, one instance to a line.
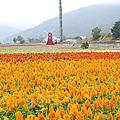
[20, 40]
[115, 32]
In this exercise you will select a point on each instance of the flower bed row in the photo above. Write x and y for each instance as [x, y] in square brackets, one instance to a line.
[60, 86]
[16, 57]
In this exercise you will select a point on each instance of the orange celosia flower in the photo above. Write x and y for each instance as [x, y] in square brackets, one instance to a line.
[101, 116]
[93, 93]
[18, 115]
[61, 111]
[110, 117]
[33, 104]
[51, 115]
[80, 116]
[96, 117]
[57, 114]
[84, 110]
[25, 106]
[95, 105]
[40, 116]
[87, 103]
[66, 117]
[112, 104]
[118, 114]
[73, 110]
[69, 106]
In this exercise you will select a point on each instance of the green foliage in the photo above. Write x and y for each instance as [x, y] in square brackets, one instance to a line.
[96, 33]
[116, 30]
[36, 40]
[78, 38]
[85, 45]
[103, 35]
[106, 35]
[109, 34]
[14, 39]
[19, 38]
[22, 41]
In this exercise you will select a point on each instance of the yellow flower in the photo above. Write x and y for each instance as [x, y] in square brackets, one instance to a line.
[43, 110]
[89, 113]
[2, 110]
[31, 117]
[5, 118]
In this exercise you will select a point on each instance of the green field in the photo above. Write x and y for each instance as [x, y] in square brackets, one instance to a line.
[52, 48]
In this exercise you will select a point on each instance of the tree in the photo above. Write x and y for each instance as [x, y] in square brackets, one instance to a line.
[14, 39]
[19, 38]
[78, 38]
[96, 33]
[108, 35]
[116, 30]
[22, 41]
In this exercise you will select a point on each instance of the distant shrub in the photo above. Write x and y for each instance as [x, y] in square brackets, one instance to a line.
[22, 41]
[108, 35]
[85, 45]
[102, 35]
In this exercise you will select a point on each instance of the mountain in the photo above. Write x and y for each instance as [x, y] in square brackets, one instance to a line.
[78, 22]
[5, 31]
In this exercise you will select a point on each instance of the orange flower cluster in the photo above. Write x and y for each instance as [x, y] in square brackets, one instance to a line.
[60, 86]
[20, 57]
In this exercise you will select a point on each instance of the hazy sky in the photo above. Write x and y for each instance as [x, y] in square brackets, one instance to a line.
[29, 13]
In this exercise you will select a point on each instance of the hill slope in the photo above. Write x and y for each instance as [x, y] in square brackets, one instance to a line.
[6, 31]
[78, 22]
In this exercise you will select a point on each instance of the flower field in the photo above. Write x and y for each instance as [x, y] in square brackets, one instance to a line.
[60, 86]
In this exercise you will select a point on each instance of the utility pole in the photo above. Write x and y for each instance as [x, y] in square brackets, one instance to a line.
[60, 17]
